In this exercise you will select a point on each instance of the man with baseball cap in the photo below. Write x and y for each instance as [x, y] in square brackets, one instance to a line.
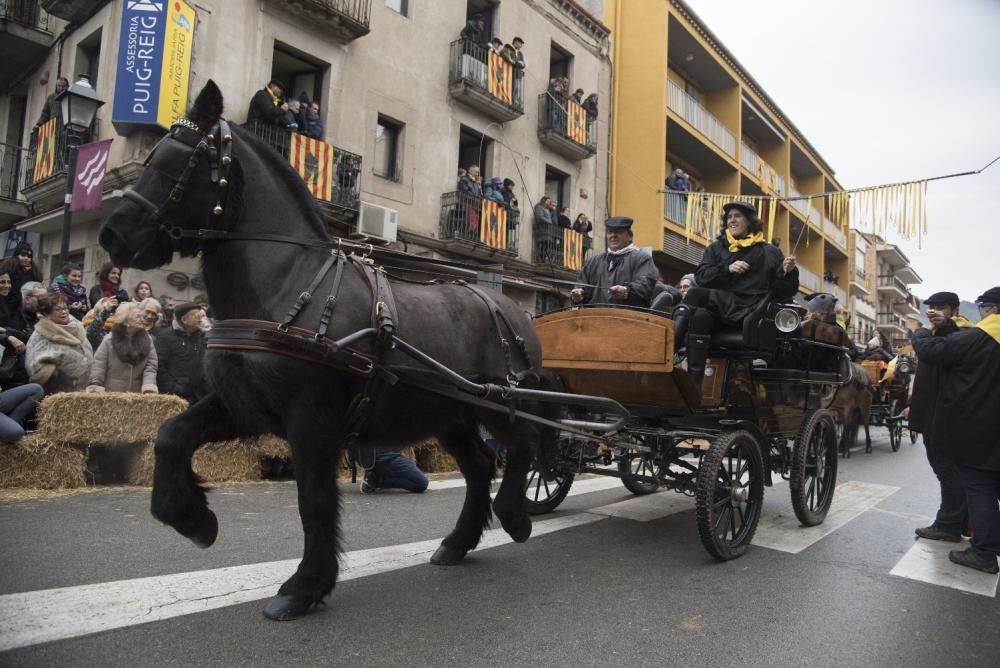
[965, 422]
[942, 307]
[622, 274]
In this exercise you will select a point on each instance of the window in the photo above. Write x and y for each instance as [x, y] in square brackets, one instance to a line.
[399, 6]
[301, 73]
[560, 62]
[387, 143]
[557, 186]
[88, 56]
[475, 149]
[486, 9]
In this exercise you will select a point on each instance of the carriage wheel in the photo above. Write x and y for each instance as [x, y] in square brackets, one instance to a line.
[543, 496]
[814, 468]
[913, 437]
[895, 426]
[729, 494]
[634, 463]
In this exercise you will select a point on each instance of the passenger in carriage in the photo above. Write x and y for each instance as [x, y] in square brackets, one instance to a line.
[622, 274]
[879, 348]
[737, 272]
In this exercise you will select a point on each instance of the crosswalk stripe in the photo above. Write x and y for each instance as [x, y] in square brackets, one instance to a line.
[927, 561]
[851, 498]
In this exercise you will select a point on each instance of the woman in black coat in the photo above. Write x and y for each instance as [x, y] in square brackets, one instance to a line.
[738, 271]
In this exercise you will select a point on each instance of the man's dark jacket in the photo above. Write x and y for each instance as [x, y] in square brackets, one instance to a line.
[926, 385]
[262, 109]
[736, 295]
[634, 270]
[966, 418]
[180, 359]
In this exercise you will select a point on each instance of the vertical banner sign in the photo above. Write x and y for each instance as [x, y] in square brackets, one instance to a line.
[501, 78]
[313, 160]
[88, 182]
[154, 63]
[45, 151]
[576, 127]
[493, 225]
[572, 250]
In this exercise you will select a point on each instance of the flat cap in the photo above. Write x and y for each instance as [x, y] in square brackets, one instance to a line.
[943, 298]
[618, 223]
[991, 296]
[748, 209]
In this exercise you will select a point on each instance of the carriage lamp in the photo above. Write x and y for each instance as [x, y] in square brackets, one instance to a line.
[787, 320]
[78, 105]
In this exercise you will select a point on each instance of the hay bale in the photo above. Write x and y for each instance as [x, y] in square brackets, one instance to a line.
[139, 467]
[36, 463]
[270, 445]
[229, 461]
[105, 418]
[432, 458]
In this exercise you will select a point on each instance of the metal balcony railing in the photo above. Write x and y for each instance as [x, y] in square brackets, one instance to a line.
[835, 233]
[701, 118]
[675, 210]
[864, 309]
[809, 279]
[470, 63]
[31, 176]
[749, 158]
[892, 282]
[553, 115]
[26, 13]
[890, 320]
[482, 223]
[768, 177]
[554, 246]
[797, 204]
[11, 158]
[345, 188]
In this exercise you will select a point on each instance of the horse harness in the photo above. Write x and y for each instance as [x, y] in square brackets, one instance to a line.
[285, 338]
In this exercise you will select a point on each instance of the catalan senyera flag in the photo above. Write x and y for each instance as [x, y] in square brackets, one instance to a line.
[572, 250]
[493, 225]
[576, 122]
[313, 160]
[45, 151]
[501, 78]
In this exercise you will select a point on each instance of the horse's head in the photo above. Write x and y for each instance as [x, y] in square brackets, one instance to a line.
[183, 188]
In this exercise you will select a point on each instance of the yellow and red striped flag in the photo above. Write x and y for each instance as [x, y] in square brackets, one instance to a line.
[572, 250]
[501, 78]
[45, 151]
[313, 160]
[576, 126]
[493, 225]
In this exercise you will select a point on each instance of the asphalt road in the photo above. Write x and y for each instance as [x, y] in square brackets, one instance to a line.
[611, 590]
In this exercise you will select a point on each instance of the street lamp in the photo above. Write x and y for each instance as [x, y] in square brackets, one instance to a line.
[78, 105]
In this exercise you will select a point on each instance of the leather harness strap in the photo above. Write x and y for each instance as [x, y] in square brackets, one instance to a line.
[306, 295]
[499, 316]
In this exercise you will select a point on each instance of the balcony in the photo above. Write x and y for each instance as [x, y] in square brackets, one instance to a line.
[344, 20]
[675, 210]
[476, 226]
[482, 80]
[769, 179]
[26, 34]
[859, 282]
[809, 279]
[892, 321]
[560, 248]
[43, 184]
[343, 202]
[863, 309]
[11, 208]
[835, 290]
[893, 285]
[908, 305]
[701, 119]
[799, 205]
[565, 128]
[835, 234]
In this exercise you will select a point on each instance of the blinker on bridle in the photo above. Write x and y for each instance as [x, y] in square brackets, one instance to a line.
[217, 144]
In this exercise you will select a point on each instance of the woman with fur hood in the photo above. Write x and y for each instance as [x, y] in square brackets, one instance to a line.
[58, 355]
[126, 360]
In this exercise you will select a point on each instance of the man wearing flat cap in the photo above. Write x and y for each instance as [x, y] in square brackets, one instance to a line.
[965, 421]
[622, 274]
[942, 307]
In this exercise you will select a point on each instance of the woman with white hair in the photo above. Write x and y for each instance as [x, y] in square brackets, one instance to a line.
[152, 313]
[126, 360]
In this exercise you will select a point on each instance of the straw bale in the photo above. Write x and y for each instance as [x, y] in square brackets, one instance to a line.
[36, 463]
[228, 461]
[105, 418]
[432, 458]
[270, 445]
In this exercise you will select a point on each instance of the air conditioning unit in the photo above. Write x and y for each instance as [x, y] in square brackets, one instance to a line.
[377, 222]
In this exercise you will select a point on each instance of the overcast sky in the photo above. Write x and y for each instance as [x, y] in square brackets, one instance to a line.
[891, 90]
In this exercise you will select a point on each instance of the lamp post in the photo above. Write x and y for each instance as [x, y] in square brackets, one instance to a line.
[78, 105]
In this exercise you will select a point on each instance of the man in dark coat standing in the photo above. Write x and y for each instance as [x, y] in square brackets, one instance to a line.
[267, 105]
[965, 422]
[952, 513]
[180, 349]
[622, 274]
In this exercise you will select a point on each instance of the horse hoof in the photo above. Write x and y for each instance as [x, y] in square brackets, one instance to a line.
[448, 556]
[522, 532]
[284, 608]
[208, 532]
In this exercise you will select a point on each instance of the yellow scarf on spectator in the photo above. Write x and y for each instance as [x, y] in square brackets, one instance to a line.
[736, 244]
[274, 98]
[961, 321]
[991, 325]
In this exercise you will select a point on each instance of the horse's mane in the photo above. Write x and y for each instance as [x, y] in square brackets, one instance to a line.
[286, 178]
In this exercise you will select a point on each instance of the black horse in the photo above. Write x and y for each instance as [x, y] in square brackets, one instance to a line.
[266, 242]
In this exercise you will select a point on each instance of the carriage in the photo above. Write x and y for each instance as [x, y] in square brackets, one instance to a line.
[764, 411]
[891, 383]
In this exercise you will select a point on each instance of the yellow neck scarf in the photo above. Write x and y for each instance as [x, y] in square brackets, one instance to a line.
[736, 244]
[991, 325]
[961, 321]
[274, 98]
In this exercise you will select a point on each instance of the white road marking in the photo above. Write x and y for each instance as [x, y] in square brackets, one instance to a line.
[647, 508]
[927, 561]
[35, 617]
[580, 485]
[851, 498]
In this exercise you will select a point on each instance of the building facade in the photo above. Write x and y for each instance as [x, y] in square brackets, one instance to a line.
[404, 100]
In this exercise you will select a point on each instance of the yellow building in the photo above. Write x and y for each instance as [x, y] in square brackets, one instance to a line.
[681, 100]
